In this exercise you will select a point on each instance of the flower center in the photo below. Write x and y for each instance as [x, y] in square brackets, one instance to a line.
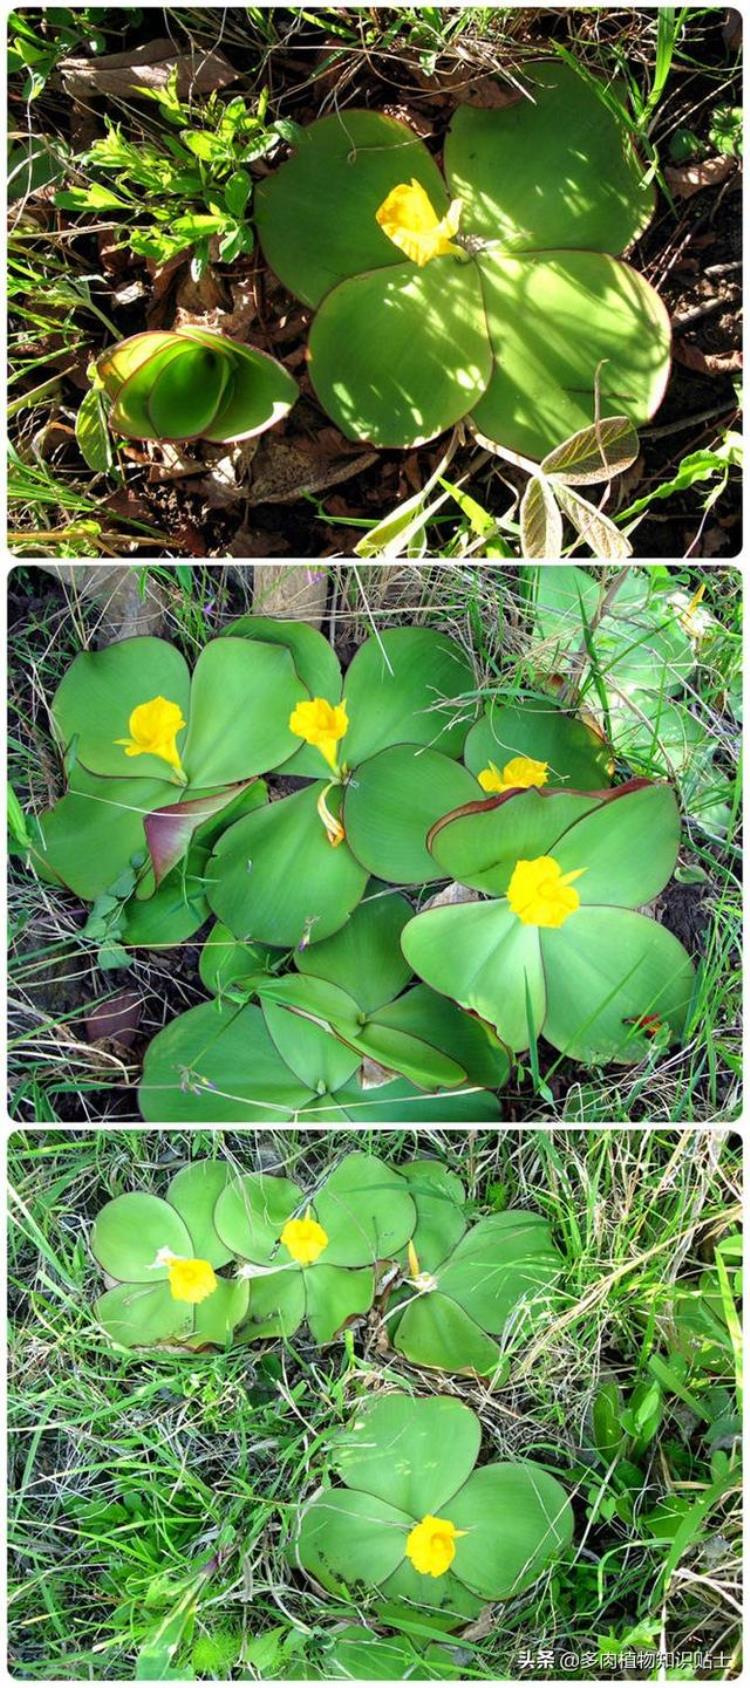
[153, 729]
[431, 1545]
[521, 771]
[540, 894]
[321, 723]
[305, 1239]
[189, 1280]
[411, 222]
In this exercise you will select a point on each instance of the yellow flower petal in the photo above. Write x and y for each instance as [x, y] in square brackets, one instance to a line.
[191, 1280]
[305, 1239]
[322, 724]
[521, 772]
[431, 1545]
[153, 729]
[411, 222]
[540, 894]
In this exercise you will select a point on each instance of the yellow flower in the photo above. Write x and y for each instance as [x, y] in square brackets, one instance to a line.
[305, 1239]
[153, 728]
[540, 894]
[408, 219]
[190, 1280]
[521, 771]
[431, 1545]
[321, 723]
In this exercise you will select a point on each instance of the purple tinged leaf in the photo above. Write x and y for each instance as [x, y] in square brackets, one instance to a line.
[170, 830]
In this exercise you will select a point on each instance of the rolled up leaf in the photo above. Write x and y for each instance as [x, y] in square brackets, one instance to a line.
[193, 384]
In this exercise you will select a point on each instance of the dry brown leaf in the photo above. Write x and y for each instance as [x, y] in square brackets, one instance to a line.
[706, 363]
[688, 179]
[450, 896]
[117, 1019]
[282, 473]
[149, 66]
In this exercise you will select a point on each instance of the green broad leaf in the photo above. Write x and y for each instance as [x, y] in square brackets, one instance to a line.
[136, 1315]
[97, 696]
[517, 1519]
[545, 377]
[314, 658]
[250, 1214]
[90, 835]
[575, 755]
[366, 1211]
[95, 197]
[276, 878]
[438, 1440]
[129, 1232]
[241, 699]
[259, 394]
[251, 795]
[218, 1065]
[187, 392]
[639, 641]
[406, 686]
[446, 1599]
[421, 1013]
[438, 1197]
[482, 956]
[393, 800]
[276, 1306]
[627, 846]
[356, 1654]
[237, 191]
[333, 1296]
[225, 962]
[315, 1054]
[501, 1272]
[92, 433]
[563, 134]
[541, 522]
[480, 847]
[437, 1333]
[418, 356]
[131, 411]
[657, 736]
[594, 454]
[607, 971]
[316, 216]
[174, 913]
[218, 1316]
[194, 1192]
[372, 1106]
[119, 362]
[347, 1539]
[364, 958]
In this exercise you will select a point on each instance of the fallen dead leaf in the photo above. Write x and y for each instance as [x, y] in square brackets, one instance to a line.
[282, 473]
[450, 896]
[149, 66]
[118, 1019]
[688, 179]
[706, 363]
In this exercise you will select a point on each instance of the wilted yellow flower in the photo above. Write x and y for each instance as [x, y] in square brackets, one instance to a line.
[191, 1280]
[305, 1239]
[540, 894]
[409, 220]
[431, 1545]
[153, 728]
[521, 771]
[322, 724]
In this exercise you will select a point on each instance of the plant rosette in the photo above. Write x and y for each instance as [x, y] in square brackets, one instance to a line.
[464, 1288]
[353, 1653]
[561, 950]
[164, 1257]
[154, 755]
[383, 761]
[312, 1257]
[426, 1527]
[310, 1052]
[192, 384]
[495, 297]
